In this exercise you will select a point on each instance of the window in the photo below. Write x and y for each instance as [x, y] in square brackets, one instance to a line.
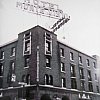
[12, 66]
[2, 55]
[94, 65]
[28, 79]
[13, 78]
[72, 68]
[62, 67]
[46, 77]
[24, 78]
[48, 61]
[1, 69]
[50, 80]
[1, 94]
[48, 44]
[90, 86]
[63, 82]
[27, 36]
[73, 83]
[81, 73]
[82, 85]
[27, 61]
[71, 56]
[13, 51]
[80, 59]
[97, 89]
[27, 44]
[95, 76]
[61, 52]
[87, 62]
[89, 76]
[1, 82]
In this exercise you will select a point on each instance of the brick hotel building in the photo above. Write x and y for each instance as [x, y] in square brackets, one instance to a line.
[37, 66]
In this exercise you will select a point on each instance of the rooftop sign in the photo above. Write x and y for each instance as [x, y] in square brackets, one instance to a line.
[41, 8]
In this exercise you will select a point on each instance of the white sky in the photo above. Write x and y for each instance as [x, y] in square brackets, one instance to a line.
[82, 31]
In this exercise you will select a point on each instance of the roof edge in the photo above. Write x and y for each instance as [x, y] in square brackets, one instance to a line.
[8, 43]
[76, 49]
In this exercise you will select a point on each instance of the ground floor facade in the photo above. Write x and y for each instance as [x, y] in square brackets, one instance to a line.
[42, 92]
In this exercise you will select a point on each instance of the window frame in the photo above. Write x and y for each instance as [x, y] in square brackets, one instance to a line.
[73, 83]
[96, 78]
[83, 85]
[2, 55]
[72, 70]
[48, 62]
[81, 72]
[27, 44]
[48, 44]
[90, 86]
[63, 83]
[71, 56]
[94, 64]
[61, 52]
[89, 75]
[13, 51]
[87, 62]
[80, 59]
[46, 79]
[1, 69]
[62, 67]
[26, 62]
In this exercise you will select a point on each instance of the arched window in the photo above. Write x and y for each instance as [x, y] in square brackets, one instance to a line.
[46, 79]
[28, 79]
[24, 78]
[50, 80]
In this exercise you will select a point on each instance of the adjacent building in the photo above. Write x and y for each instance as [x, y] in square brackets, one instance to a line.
[37, 66]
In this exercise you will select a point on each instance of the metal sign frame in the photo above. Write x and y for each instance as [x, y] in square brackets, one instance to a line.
[41, 8]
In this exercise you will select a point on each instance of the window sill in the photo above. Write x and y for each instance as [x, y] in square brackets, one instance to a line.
[90, 81]
[2, 59]
[26, 67]
[63, 71]
[48, 67]
[73, 77]
[62, 57]
[82, 79]
[96, 81]
[88, 66]
[48, 54]
[12, 56]
[71, 60]
[81, 64]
